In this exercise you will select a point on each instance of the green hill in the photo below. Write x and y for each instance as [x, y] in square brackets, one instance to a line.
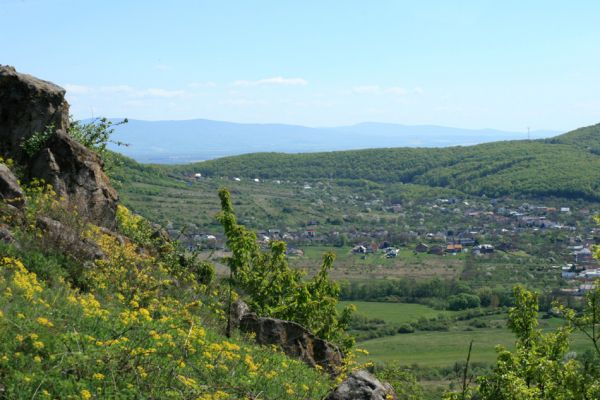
[562, 166]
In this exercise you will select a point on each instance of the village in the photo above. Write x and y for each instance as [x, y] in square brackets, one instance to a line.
[380, 224]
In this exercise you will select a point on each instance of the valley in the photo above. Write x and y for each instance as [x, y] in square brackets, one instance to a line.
[415, 232]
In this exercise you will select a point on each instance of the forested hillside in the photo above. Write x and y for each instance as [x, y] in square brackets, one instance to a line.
[563, 166]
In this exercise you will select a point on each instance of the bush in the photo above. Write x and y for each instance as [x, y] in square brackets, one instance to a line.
[463, 301]
[406, 328]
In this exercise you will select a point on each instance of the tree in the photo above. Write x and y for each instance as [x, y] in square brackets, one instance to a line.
[274, 289]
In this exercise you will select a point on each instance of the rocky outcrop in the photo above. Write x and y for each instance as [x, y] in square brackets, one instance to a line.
[295, 341]
[64, 237]
[76, 174]
[10, 191]
[361, 385]
[29, 105]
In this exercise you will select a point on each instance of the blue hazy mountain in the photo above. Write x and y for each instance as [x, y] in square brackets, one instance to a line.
[199, 139]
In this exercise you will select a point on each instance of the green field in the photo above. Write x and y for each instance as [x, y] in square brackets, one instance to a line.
[438, 349]
[445, 348]
[407, 264]
[394, 312]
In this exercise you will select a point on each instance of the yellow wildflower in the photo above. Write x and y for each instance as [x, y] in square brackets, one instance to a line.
[98, 376]
[45, 322]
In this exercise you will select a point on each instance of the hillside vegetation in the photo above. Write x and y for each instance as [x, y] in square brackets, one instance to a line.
[563, 166]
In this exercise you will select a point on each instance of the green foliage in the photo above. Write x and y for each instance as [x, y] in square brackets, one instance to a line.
[144, 326]
[145, 235]
[34, 143]
[402, 380]
[538, 368]
[463, 301]
[275, 289]
[95, 135]
[526, 168]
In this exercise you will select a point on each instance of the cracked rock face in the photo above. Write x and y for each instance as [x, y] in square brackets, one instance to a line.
[10, 191]
[361, 385]
[29, 105]
[294, 339]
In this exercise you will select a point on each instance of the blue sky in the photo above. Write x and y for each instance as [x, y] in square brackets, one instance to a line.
[472, 64]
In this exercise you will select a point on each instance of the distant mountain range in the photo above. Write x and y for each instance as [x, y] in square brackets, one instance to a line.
[186, 141]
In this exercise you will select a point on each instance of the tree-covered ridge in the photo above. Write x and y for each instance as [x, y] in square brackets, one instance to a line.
[562, 166]
[587, 137]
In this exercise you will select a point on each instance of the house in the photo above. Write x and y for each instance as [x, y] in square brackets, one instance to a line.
[275, 233]
[295, 252]
[198, 175]
[392, 253]
[310, 233]
[437, 250]
[359, 249]
[466, 241]
[454, 248]
[422, 248]
[590, 274]
[485, 248]
[585, 288]
[583, 256]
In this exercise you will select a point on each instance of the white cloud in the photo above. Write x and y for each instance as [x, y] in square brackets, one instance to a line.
[126, 90]
[76, 89]
[242, 102]
[154, 92]
[197, 85]
[379, 90]
[276, 80]
[162, 67]
[115, 89]
[366, 89]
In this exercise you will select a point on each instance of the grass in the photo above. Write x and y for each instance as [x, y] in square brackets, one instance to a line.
[394, 312]
[407, 264]
[438, 349]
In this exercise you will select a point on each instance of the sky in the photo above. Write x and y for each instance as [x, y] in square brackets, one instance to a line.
[471, 64]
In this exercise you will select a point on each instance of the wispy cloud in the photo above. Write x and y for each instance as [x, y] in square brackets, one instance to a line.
[154, 92]
[198, 85]
[276, 81]
[379, 90]
[76, 89]
[127, 90]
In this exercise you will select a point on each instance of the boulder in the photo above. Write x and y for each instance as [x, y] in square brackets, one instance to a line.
[361, 385]
[66, 238]
[10, 191]
[295, 341]
[6, 235]
[76, 174]
[29, 105]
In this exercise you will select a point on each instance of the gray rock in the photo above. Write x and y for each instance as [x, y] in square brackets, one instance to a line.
[237, 312]
[76, 174]
[10, 191]
[295, 341]
[66, 238]
[361, 385]
[6, 235]
[28, 105]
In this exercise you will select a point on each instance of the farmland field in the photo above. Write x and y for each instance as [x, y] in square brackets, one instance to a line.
[394, 312]
[407, 264]
[436, 349]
